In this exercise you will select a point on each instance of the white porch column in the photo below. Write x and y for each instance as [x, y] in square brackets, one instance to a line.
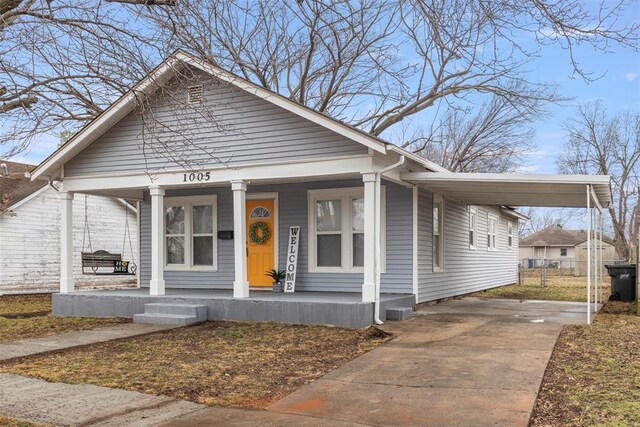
[66, 243]
[156, 285]
[240, 285]
[368, 286]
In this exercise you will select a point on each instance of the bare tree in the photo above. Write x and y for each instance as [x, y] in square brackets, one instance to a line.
[492, 138]
[540, 219]
[61, 63]
[375, 64]
[609, 145]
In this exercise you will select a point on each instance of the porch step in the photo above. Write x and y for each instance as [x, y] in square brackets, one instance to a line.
[172, 314]
[399, 313]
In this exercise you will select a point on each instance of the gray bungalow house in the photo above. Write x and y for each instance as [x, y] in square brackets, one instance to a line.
[223, 170]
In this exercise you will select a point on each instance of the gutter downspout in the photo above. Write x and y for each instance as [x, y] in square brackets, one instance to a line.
[378, 250]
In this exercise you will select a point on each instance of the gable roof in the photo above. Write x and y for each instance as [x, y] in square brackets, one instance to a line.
[555, 235]
[17, 186]
[50, 167]
[582, 236]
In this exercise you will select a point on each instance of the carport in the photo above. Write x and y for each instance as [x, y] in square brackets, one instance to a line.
[553, 191]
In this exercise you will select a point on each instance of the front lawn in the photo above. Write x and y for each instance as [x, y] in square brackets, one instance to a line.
[216, 363]
[593, 377]
[558, 288]
[29, 316]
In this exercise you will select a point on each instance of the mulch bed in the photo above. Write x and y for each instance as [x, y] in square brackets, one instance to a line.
[244, 364]
[593, 377]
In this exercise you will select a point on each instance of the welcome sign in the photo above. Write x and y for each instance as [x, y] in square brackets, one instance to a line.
[292, 259]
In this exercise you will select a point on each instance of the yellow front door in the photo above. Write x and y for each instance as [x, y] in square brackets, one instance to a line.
[260, 250]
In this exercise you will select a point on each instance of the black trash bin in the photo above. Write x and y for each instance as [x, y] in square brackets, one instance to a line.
[623, 282]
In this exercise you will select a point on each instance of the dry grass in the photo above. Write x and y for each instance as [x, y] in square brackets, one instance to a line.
[11, 422]
[593, 377]
[558, 288]
[216, 363]
[28, 316]
[25, 305]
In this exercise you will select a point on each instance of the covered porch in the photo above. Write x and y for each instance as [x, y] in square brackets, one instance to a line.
[229, 193]
[345, 309]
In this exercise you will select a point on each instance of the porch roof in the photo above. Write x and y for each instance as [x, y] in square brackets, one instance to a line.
[566, 191]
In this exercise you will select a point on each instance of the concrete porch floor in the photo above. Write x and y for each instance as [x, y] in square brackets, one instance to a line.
[344, 309]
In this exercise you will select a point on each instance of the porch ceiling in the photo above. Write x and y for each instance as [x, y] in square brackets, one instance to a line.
[566, 191]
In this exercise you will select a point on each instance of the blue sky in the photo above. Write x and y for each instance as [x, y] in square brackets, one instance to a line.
[618, 89]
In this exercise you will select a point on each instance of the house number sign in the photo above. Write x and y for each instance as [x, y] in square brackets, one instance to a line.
[196, 177]
[292, 259]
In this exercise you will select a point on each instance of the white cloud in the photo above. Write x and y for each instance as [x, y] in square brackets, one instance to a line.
[631, 76]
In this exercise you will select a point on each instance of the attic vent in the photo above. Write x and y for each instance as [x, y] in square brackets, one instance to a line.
[4, 169]
[195, 94]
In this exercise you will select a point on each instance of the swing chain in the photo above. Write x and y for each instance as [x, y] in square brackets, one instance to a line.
[127, 233]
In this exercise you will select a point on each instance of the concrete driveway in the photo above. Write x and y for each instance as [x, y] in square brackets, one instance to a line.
[465, 362]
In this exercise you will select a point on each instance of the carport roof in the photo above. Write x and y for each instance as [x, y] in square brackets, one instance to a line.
[565, 191]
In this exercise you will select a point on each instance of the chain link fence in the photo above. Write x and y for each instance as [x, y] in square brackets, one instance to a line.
[559, 271]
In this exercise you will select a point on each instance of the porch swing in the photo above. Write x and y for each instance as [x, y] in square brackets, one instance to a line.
[99, 260]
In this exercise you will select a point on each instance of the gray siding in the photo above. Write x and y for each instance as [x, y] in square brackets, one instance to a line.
[248, 129]
[465, 270]
[293, 208]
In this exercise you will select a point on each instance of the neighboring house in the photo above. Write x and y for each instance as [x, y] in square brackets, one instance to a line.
[30, 215]
[561, 248]
[379, 226]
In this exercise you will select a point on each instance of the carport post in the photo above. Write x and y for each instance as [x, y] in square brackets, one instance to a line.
[597, 257]
[595, 260]
[601, 254]
[589, 225]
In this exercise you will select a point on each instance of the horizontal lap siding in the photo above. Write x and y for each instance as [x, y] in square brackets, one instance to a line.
[466, 270]
[250, 130]
[293, 208]
[30, 240]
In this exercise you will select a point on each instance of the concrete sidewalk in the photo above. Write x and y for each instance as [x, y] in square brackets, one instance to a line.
[33, 346]
[75, 405]
[83, 405]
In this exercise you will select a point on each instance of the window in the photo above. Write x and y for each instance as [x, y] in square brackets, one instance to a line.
[563, 251]
[190, 233]
[510, 234]
[492, 232]
[438, 233]
[473, 228]
[336, 230]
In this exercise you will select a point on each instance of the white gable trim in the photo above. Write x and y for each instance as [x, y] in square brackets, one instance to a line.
[51, 166]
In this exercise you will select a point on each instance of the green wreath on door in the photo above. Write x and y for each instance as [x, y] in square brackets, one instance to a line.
[259, 233]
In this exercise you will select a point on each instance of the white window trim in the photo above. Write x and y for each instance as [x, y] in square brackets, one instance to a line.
[345, 195]
[510, 235]
[491, 217]
[472, 210]
[437, 198]
[188, 202]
